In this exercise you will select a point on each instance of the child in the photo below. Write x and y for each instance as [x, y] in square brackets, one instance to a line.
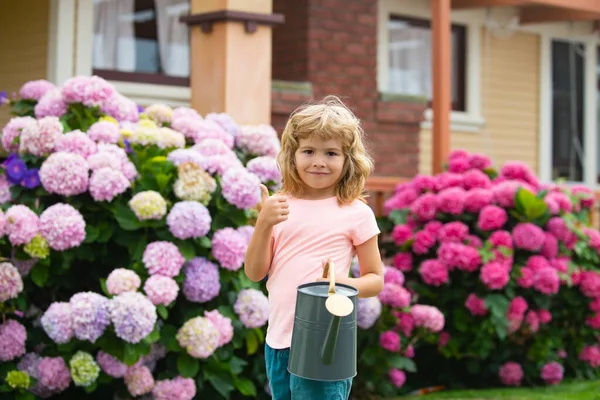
[319, 214]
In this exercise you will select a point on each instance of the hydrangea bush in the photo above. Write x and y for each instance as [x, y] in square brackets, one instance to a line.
[122, 234]
[513, 265]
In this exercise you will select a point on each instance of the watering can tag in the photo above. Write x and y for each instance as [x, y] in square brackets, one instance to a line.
[339, 306]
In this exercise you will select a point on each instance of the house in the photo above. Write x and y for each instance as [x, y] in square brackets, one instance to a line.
[524, 75]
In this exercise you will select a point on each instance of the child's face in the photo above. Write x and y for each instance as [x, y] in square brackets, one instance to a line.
[319, 164]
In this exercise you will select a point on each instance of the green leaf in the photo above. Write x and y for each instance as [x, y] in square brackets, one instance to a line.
[39, 274]
[103, 287]
[125, 217]
[162, 180]
[187, 249]
[403, 363]
[245, 386]
[205, 242]
[399, 216]
[162, 311]
[130, 354]
[221, 386]
[251, 342]
[529, 204]
[91, 233]
[154, 336]
[168, 338]
[187, 366]
[237, 365]
[92, 387]
[461, 320]
[24, 396]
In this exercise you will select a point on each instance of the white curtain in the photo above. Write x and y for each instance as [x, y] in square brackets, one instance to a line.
[114, 35]
[409, 60]
[173, 37]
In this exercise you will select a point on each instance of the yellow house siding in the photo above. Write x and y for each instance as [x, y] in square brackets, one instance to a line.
[23, 45]
[510, 104]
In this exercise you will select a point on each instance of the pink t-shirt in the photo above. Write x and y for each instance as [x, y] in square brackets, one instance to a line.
[315, 231]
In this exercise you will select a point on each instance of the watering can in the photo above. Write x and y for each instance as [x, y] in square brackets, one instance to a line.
[324, 334]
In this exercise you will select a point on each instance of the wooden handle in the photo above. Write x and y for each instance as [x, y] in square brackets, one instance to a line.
[330, 270]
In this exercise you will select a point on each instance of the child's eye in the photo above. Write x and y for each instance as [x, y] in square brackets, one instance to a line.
[332, 153]
[307, 151]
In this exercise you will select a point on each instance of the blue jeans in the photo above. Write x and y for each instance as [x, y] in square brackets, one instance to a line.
[285, 386]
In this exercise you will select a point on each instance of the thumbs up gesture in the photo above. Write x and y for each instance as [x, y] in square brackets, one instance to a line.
[274, 209]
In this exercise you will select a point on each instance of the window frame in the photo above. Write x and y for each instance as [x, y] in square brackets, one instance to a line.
[461, 31]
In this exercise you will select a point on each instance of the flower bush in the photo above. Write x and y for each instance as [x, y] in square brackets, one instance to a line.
[122, 234]
[511, 263]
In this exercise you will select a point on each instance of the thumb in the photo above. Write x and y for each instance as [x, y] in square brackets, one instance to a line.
[264, 192]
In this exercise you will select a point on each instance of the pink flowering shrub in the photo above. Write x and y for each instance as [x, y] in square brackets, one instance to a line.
[511, 263]
[123, 231]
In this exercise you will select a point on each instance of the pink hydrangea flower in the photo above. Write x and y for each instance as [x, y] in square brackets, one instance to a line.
[189, 219]
[447, 180]
[468, 259]
[11, 132]
[505, 192]
[266, 169]
[57, 322]
[206, 129]
[511, 374]
[122, 280]
[240, 188]
[139, 380]
[476, 305]
[479, 161]
[163, 258]
[434, 273]
[453, 232]
[178, 388]
[11, 283]
[108, 183]
[590, 284]
[546, 281]
[425, 207]
[401, 199]
[595, 305]
[559, 229]
[501, 238]
[259, 140]
[452, 200]
[12, 340]
[223, 324]
[34, 90]
[532, 319]
[40, 139]
[528, 236]
[394, 295]
[476, 199]
[390, 341]
[494, 275]
[62, 226]
[526, 278]
[22, 224]
[405, 322]
[89, 90]
[448, 254]
[111, 365]
[229, 248]
[550, 247]
[105, 132]
[65, 174]
[593, 321]
[427, 317]
[120, 108]
[591, 355]
[424, 183]
[423, 242]
[50, 104]
[459, 165]
[401, 234]
[474, 178]
[403, 261]
[392, 275]
[397, 377]
[161, 289]
[544, 316]
[491, 217]
[552, 373]
[252, 307]
[76, 142]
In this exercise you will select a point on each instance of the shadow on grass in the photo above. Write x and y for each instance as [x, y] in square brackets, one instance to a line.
[567, 391]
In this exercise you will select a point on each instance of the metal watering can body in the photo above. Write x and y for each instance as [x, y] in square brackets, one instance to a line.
[324, 335]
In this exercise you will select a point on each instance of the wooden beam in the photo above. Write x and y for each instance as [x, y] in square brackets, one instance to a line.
[590, 6]
[441, 69]
[537, 15]
[458, 4]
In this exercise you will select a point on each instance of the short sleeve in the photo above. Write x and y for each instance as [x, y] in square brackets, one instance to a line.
[364, 225]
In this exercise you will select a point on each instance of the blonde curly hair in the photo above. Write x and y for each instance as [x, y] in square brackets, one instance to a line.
[328, 119]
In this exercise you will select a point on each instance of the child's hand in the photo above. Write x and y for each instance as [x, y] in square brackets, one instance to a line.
[274, 209]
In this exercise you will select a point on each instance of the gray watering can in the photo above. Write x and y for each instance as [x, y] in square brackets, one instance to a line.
[324, 334]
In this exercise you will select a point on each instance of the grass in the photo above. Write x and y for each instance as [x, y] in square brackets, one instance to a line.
[568, 391]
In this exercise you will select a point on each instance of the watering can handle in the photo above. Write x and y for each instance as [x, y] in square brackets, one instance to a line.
[330, 269]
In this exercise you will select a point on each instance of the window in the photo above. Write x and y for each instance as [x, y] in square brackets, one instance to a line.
[567, 110]
[409, 59]
[141, 41]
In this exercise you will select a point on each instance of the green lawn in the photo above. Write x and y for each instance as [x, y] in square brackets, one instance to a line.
[567, 391]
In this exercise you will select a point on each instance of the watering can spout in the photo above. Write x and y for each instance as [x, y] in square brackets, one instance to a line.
[339, 306]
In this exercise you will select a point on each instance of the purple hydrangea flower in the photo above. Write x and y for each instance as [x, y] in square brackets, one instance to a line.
[133, 316]
[367, 312]
[241, 188]
[57, 322]
[252, 306]
[12, 340]
[111, 365]
[201, 280]
[15, 170]
[31, 178]
[89, 315]
[189, 219]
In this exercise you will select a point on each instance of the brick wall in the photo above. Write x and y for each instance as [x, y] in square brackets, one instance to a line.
[332, 45]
